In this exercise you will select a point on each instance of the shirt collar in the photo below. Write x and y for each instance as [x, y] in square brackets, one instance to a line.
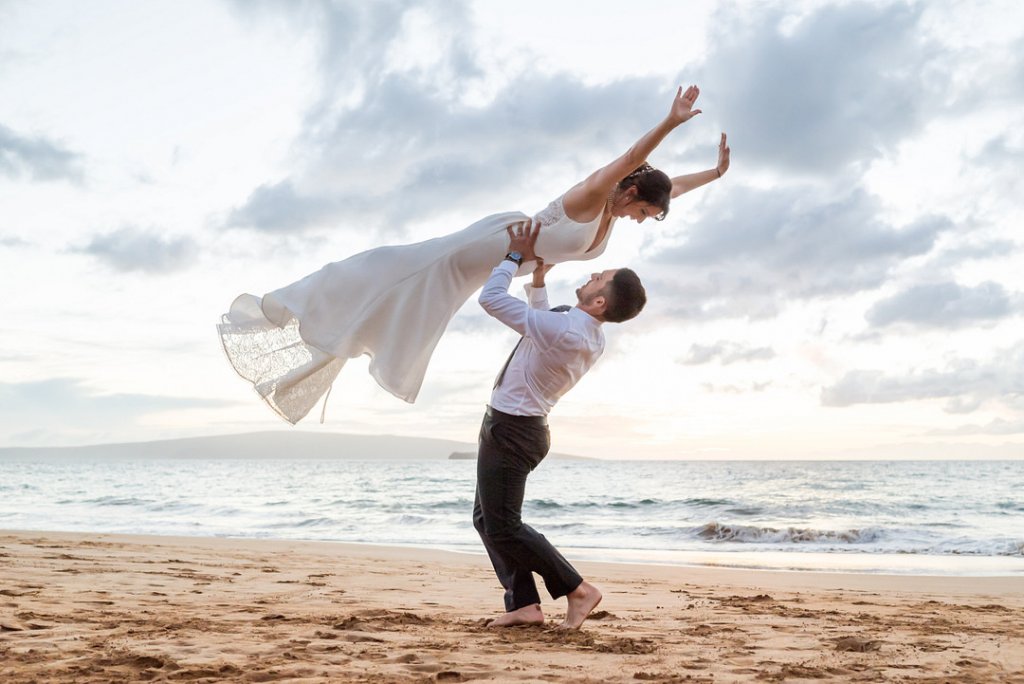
[582, 315]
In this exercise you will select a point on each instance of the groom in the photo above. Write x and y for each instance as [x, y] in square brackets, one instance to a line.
[556, 350]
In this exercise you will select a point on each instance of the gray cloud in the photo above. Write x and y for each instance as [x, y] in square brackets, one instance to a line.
[944, 305]
[278, 207]
[1017, 77]
[741, 258]
[726, 353]
[1001, 151]
[838, 87]
[949, 257]
[134, 249]
[381, 164]
[706, 296]
[786, 231]
[999, 162]
[11, 241]
[37, 158]
[383, 147]
[965, 383]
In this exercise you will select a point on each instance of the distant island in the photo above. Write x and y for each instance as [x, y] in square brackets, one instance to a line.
[281, 444]
[471, 456]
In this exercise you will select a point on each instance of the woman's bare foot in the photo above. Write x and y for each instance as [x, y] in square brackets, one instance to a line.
[527, 615]
[582, 601]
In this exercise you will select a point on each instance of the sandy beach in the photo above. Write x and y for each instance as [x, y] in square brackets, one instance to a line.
[110, 608]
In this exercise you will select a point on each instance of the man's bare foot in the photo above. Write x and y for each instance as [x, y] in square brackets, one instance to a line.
[527, 615]
[582, 601]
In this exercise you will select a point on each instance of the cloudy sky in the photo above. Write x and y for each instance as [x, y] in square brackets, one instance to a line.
[853, 286]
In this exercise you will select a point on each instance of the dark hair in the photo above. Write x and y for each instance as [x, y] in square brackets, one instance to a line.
[624, 296]
[652, 186]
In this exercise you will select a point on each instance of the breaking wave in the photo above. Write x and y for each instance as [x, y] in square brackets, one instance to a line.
[718, 532]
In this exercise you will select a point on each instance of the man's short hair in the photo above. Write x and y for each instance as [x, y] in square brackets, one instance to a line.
[624, 296]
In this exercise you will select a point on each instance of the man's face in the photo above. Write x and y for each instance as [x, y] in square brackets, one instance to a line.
[592, 287]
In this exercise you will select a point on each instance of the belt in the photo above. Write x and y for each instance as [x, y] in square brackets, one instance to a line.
[501, 415]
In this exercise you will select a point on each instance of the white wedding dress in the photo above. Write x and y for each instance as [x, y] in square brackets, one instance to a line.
[391, 303]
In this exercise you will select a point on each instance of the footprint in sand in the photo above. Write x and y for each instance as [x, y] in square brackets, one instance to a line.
[858, 644]
[602, 615]
[362, 638]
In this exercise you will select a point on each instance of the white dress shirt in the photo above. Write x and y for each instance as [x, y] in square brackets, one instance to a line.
[556, 351]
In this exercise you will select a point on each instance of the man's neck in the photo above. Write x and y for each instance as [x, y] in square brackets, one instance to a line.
[590, 311]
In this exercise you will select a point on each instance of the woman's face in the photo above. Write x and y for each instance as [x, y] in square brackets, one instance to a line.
[638, 210]
[628, 206]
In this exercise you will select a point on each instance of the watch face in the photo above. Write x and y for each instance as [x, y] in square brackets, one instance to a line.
[516, 256]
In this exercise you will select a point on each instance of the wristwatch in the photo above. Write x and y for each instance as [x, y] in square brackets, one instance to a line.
[516, 257]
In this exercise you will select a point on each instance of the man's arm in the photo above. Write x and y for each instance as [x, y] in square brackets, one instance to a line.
[543, 327]
[494, 298]
[497, 302]
[536, 293]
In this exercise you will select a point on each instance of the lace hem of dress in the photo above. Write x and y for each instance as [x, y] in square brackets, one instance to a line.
[551, 214]
[287, 373]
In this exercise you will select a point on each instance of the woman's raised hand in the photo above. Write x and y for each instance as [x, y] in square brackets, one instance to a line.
[723, 157]
[682, 106]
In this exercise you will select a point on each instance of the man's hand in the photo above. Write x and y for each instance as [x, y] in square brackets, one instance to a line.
[682, 106]
[524, 238]
[723, 157]
[541, 271]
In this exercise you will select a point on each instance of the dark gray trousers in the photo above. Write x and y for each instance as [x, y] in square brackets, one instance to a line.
[510, 448]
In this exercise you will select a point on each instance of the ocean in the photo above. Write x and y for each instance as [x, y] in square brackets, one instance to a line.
[921, 517]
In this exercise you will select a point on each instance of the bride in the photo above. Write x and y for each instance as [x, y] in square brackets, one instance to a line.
[393, 303]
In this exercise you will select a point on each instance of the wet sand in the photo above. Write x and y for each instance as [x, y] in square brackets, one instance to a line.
[116, 608]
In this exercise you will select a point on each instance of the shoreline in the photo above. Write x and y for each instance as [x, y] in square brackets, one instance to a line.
[80, 607]
[795, 561]
[994, 586]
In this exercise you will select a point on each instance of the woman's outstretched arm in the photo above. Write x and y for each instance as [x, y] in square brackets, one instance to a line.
[684, 184]
[586, 200]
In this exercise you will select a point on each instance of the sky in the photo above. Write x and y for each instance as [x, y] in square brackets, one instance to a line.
[852, 287]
